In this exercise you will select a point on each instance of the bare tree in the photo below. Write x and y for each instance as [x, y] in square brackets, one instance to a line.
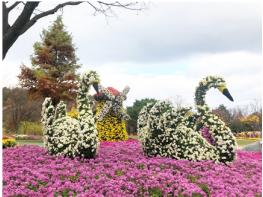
[17, 107]
[255, 106]
[256, 109]
[28, 18]
[178, 101]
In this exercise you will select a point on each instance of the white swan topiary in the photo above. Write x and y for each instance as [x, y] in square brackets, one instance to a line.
[68, 136]
[167, 132]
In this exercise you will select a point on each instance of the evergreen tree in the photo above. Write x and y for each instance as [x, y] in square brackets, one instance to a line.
[134, 111]
[54, 65]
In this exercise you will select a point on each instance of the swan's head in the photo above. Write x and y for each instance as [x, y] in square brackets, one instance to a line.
[91, 78]
[220, 84]
[225, 91]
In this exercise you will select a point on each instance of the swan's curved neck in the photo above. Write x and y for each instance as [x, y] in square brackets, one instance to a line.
[200, 94]
[83, 100]
[84, 88]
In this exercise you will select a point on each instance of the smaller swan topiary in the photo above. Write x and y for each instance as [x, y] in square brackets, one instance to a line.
[72, 137]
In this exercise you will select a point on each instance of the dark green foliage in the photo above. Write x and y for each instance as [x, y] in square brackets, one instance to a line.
[203, 186]
[37, 186]
[74, 178]
[65, 193]
[134, 111]
[119, 172]
[155, 192]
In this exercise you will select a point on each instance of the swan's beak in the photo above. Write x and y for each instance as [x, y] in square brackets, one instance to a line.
[96, 87]
[227, 94]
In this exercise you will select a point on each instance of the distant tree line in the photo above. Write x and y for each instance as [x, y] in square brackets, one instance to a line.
[248, 118]
[19, 107]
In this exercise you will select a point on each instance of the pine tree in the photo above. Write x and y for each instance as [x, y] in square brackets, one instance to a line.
[54, 64]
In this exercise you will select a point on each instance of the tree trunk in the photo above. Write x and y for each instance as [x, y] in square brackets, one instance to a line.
[11, 33]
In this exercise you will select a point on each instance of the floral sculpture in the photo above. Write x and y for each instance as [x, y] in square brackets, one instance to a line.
[168, 132]
[68, 136]
[111, 115]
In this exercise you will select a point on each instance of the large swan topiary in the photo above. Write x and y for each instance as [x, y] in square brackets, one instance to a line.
[168, 132]
[72, 137]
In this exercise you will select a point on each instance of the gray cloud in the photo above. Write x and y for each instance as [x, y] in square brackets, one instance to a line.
[168, 31]
[165, 31]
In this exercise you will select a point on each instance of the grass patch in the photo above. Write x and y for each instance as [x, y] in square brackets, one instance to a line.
[244, 142]
[30, 142]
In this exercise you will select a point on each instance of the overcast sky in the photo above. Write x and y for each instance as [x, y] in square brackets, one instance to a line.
[163, 51]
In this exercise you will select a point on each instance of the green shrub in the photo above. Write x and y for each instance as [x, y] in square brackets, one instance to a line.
[30, 128]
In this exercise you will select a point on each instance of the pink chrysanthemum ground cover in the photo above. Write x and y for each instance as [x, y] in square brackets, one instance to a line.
[121, 169]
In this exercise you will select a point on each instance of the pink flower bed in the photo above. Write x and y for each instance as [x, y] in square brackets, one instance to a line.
[121, 169]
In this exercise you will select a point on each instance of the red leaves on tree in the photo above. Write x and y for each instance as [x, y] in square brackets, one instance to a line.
[53, 71]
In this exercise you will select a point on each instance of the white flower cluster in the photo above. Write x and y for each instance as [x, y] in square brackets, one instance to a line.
[168, 132]
[67, 136]
[47, 114]
[162, 133]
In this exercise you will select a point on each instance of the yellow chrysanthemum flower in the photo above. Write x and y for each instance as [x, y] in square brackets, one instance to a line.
[110, 128]
[8, 142]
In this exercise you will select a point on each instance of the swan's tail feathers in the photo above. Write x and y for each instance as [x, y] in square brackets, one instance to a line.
[48, 112]
[61, 110]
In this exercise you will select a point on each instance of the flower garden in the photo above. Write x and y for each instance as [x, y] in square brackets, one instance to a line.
[179, 152]
[121, 169]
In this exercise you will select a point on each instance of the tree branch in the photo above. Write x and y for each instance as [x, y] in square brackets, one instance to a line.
[104, 7]
[10, 34]
[128, 6]
[13, 6]
[5, 25]
[46, 13]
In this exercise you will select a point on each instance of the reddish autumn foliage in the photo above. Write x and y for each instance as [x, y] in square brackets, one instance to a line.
[54, 65]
